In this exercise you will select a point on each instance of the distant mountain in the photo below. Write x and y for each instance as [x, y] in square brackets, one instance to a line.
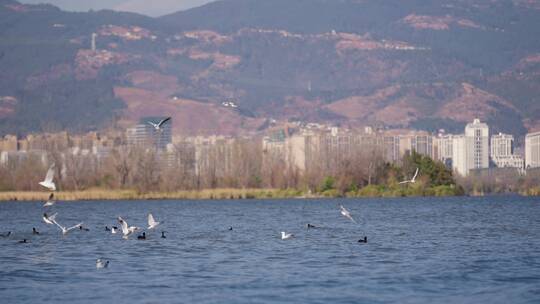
[350, 62]
[149, 8]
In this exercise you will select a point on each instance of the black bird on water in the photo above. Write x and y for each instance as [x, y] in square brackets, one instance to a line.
[364, 240]
[6, 234]
[23, 241]
[310, 226]
[163, 235]
[107, 228]
[230, 228]
[142, 237]
[82, 228]
[34, 231]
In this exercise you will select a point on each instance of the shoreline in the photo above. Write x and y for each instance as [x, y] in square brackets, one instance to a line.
[207, 194]
[115, 195]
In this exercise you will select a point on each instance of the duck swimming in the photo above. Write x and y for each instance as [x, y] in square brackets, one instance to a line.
[163, 235]
[364, 240]
[34, 231]
[142, 237]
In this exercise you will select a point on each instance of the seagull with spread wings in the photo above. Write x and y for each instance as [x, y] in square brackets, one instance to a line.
[50, 201]
[158, 125]
[412, 180]
[48, 182]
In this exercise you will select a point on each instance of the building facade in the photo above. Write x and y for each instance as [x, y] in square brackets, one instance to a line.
[532, 150]
[479, 133]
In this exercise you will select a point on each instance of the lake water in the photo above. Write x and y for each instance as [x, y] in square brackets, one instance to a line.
[419, 250]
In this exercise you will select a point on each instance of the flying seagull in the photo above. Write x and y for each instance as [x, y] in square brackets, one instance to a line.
[158, 125]
[412, 180]
[346, 213]
[48, 182]
[50, 201]
[49, 219]
[65, 230]
[126, 231]
[286, 236]
[152, 222]
[101, 264]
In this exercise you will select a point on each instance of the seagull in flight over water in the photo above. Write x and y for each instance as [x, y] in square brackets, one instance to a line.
[50, 201]
[65, 230]
[126, 231]
[346, 214]
[48, 182]
[152, 222]
[49, 219]
[158, 125]
[412, 180]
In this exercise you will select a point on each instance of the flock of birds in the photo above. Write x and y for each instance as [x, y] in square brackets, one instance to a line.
[50, 219]
[127, 230]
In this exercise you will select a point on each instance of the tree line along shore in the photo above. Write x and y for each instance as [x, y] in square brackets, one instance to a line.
[136, 174]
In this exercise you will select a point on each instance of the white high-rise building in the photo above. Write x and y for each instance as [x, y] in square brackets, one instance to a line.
[462, 154]
[502, 152]
[445, 148]
[479, 132]
[502, 145]
[532, 150]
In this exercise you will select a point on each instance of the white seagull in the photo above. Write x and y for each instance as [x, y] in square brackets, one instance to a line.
[48, 182]
[65, 230]
[346, 213]
[286, 236]
[101, 264]
[152, 222]
[50, 201]
[412, 180]
[126, 231]
[49, 219]
[158, 125]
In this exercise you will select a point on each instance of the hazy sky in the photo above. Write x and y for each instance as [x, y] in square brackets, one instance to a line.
[147, 7]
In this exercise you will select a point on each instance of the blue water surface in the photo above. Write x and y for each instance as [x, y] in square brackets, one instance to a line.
[419, 250]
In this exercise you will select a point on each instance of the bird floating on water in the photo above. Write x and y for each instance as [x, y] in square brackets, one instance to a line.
[412, 180]
[152, 222]
[48, 182]
[101, 264]
[34, 230]
[308, 226]
[142, 237]
[364, 240]
[83, 228]
[5, 235]
[286, 236]
[163, 235]
[49, 219]
[158, 125]
[346, 213]
[50, 201]
[23, 241]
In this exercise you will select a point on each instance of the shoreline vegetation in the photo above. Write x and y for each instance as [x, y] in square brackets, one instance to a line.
[221, 194]
[139, 175]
